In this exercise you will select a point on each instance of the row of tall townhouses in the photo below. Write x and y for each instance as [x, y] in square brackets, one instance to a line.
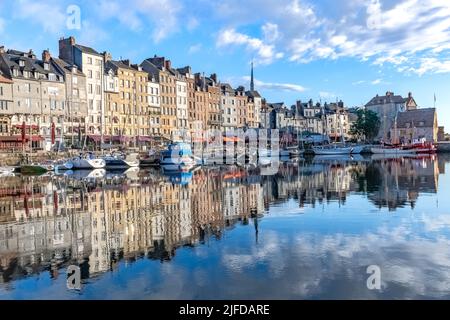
[87, 97]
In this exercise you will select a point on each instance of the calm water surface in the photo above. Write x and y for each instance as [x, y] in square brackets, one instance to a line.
[307, 232]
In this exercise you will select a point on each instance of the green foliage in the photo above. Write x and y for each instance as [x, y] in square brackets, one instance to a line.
[367, 125]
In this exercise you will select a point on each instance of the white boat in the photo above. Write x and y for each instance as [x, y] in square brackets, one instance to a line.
[121, 161]
[291, 152]
[63, 165]
[333, 149]
[178, 158]
[87, 161]
[89, 174]
[7, 171]
[387, 150]
[357, 149]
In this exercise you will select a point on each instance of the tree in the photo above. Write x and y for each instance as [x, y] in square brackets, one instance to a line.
[366, 126]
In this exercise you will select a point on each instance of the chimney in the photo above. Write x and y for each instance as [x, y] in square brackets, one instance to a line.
[168, 64]
[66, 49]
[410, 95]
[107, 56]
[126, 62]
[46, 56]
[214, 77]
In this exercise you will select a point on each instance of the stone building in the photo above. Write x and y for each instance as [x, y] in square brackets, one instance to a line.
[129, 122]
[228, 104]
[39, 97]
[414, 125]
[76, 98]
[161, 70]
[91, 63]
[154, 103]
[387, 107]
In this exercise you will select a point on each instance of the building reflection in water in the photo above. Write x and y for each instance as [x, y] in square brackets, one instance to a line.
[47, 223]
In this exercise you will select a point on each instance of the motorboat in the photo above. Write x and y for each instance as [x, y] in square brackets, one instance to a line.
[37, 168]
[178, 157]
[121, 161]
[150, 159]
[332, 149]
[87, 161]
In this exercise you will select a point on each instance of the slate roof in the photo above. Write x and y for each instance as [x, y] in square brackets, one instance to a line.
[66, 67]
[87, 50]
[377, 100]
[415, 117]
[226, 87]
[4, 80]
[31, 64]
[253, 94]
[115, 65]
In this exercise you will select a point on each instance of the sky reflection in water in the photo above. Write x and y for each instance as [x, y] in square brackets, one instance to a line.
[308, 232]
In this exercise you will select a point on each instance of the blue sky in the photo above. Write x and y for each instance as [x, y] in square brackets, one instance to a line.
[325, 49]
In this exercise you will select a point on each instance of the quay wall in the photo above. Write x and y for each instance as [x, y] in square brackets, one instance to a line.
[444, 146]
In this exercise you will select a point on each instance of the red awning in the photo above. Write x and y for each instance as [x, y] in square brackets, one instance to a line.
[33, 126]
[19, 138]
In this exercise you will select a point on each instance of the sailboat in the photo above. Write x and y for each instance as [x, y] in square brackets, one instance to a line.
[393, 149]
[334, 148]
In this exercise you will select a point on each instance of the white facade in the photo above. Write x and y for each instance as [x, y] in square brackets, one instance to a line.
[154, 102]
[228, 105]
[93, 67]
[182, 107]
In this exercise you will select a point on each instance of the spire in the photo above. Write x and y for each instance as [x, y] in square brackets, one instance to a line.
[252, 83]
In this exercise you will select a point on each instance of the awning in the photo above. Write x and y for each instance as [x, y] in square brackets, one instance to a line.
[145, 139]
[33, 126]
[19, 138]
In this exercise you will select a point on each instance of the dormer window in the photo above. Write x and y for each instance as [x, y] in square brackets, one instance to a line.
[46, 66]
[21, 63]
[51, 77]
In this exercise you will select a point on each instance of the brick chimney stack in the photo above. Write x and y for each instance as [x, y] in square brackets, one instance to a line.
[168, 64]
[214, 78]
[107, 56]
[46, 56]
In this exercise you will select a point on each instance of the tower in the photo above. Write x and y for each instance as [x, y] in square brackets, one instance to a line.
[252, 82]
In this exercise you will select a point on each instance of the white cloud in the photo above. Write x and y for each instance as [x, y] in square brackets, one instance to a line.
[376, 81]
[277, 86]
[49, 15]
[265, 53]
[271, 32]
[379, 31]
[195, 48]
[431, 65]
[163, 15]
[358, 82]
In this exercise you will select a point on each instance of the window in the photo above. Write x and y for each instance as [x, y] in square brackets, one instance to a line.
[90, 74]
[21, 63]
[46, 66]
[51, 77]
[75, 92]
[74, 80]
[99, 90]
[89, 60]
[28, 87]
[1, 91]
[97, 75]
[90, 90]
